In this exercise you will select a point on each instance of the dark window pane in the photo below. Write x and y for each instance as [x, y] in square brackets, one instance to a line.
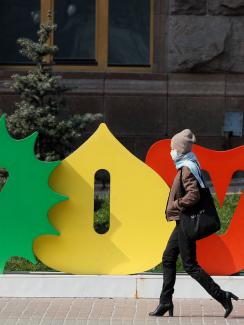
[18, 18]
[75, 35]
[129, 32]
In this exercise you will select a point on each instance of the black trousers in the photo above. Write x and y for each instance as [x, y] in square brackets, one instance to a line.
[177, 244]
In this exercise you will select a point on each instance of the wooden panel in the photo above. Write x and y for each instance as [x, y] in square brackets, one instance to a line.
[102, 33]
[47, 16]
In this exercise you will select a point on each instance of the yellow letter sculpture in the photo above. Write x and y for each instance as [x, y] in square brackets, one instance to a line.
[138, 232]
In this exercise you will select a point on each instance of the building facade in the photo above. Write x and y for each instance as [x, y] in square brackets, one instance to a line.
[151, 67]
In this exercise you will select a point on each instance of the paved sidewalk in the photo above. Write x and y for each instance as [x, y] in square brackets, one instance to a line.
[89, 311]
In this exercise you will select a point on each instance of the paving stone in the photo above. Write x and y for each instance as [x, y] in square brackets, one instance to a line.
[72, 311]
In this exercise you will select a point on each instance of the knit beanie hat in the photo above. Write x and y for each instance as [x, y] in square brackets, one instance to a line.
[183, 141]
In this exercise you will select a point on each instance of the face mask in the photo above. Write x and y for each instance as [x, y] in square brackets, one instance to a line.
[174, 154]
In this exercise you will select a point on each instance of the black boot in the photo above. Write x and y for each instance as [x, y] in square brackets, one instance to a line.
[162, 309]
[227, 303]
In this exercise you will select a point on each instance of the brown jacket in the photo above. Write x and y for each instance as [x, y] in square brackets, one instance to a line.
[176, 203]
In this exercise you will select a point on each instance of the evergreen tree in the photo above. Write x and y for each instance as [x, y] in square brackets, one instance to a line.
[42, 102]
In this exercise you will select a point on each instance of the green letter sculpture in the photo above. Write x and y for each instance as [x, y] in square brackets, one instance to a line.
[25, 198]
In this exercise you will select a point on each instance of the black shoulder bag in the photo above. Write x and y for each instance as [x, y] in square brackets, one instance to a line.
[200, 220]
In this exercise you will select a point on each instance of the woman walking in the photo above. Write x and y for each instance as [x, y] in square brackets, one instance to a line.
[189, 175]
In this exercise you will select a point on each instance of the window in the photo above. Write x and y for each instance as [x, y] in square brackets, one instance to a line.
[129, 32]
[76, 31]
[17, 19]
[97, 35]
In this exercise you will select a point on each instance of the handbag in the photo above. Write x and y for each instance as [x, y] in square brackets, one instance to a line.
[200, 220]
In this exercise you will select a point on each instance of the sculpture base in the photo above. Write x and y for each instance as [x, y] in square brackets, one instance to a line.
[107, 286]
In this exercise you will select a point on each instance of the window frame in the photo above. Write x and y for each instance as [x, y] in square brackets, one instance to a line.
[101, 43]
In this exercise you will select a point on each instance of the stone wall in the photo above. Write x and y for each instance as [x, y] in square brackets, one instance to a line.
[142, 109]
[206, 36]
